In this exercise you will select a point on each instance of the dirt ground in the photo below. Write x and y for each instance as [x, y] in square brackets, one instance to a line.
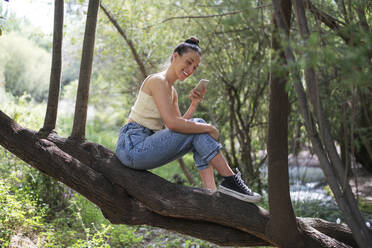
[361, 182]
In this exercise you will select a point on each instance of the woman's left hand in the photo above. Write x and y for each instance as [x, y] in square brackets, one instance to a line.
[197, 96]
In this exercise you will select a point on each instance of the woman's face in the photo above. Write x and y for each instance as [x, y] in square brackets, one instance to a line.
[186, 64]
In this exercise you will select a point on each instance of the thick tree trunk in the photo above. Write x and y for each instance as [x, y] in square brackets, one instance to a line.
[81, 107]
[139, 197]
[55, 74]
[282, 216]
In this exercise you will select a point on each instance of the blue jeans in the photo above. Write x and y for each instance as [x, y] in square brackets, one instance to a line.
[140, 148]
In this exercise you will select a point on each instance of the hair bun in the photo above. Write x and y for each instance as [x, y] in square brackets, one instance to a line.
[192, 40]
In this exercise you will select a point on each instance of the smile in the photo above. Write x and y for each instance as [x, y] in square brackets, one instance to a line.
[185, 73]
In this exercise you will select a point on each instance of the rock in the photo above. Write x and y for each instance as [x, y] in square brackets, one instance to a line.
[20, 241]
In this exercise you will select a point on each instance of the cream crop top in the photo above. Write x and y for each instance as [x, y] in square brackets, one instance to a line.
[146, 113]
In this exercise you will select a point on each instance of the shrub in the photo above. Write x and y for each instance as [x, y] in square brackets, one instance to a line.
[18, 213]
[24, 67]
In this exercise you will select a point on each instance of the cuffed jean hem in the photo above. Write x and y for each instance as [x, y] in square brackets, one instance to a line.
[202, 166]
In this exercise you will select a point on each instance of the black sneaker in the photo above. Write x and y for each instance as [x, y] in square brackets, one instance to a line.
[234, 186]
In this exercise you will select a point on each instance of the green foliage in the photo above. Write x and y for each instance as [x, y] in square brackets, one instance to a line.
[22, 109]
[3, 15]
[24, 67]
[316, 209]
[365, 206]
[124, 236]
[1, 26]
[18, 213]
[47, 192]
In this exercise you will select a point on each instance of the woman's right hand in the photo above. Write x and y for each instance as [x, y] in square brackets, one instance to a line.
[214, 132]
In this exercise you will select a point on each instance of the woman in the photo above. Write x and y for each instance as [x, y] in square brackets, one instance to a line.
[145, 144]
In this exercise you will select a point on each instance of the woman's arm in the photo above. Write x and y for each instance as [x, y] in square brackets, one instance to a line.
[192, 108]
[162, 94]
[175, 104]
[190, 111]
[196, 97]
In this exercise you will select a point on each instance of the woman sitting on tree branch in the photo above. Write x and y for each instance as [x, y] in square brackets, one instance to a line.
[145, 144]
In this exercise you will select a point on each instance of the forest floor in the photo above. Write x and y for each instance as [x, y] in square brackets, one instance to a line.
[362, 185]
[361, 182]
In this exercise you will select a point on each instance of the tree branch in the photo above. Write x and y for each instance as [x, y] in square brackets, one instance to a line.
[328, 20]
[339, 232]
[81, 107]
[127, 40]
[55, 74]
[197, 17]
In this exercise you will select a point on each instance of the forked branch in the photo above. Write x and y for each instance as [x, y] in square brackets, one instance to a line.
[81, 107]
[55, 74]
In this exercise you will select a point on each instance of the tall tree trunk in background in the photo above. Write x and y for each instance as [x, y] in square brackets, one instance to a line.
[282, 216]
[81, 107]
[363, 151]
[318, 131]
[346, 200]
[55, 74]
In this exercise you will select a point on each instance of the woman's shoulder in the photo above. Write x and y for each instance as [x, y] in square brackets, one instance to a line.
[156, 77]
[156, 80]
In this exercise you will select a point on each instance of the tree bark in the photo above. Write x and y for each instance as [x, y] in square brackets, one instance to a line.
[55, 74]
[81, 107]
[133, 197]
[332, 229]
[282, 216]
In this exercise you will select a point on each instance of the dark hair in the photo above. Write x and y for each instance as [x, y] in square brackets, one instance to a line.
[190, 43]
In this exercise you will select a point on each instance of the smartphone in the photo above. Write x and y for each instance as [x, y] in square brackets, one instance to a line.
[202, 84]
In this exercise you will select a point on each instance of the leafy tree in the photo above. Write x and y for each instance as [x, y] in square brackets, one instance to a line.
[345, 55]
[318, 127]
